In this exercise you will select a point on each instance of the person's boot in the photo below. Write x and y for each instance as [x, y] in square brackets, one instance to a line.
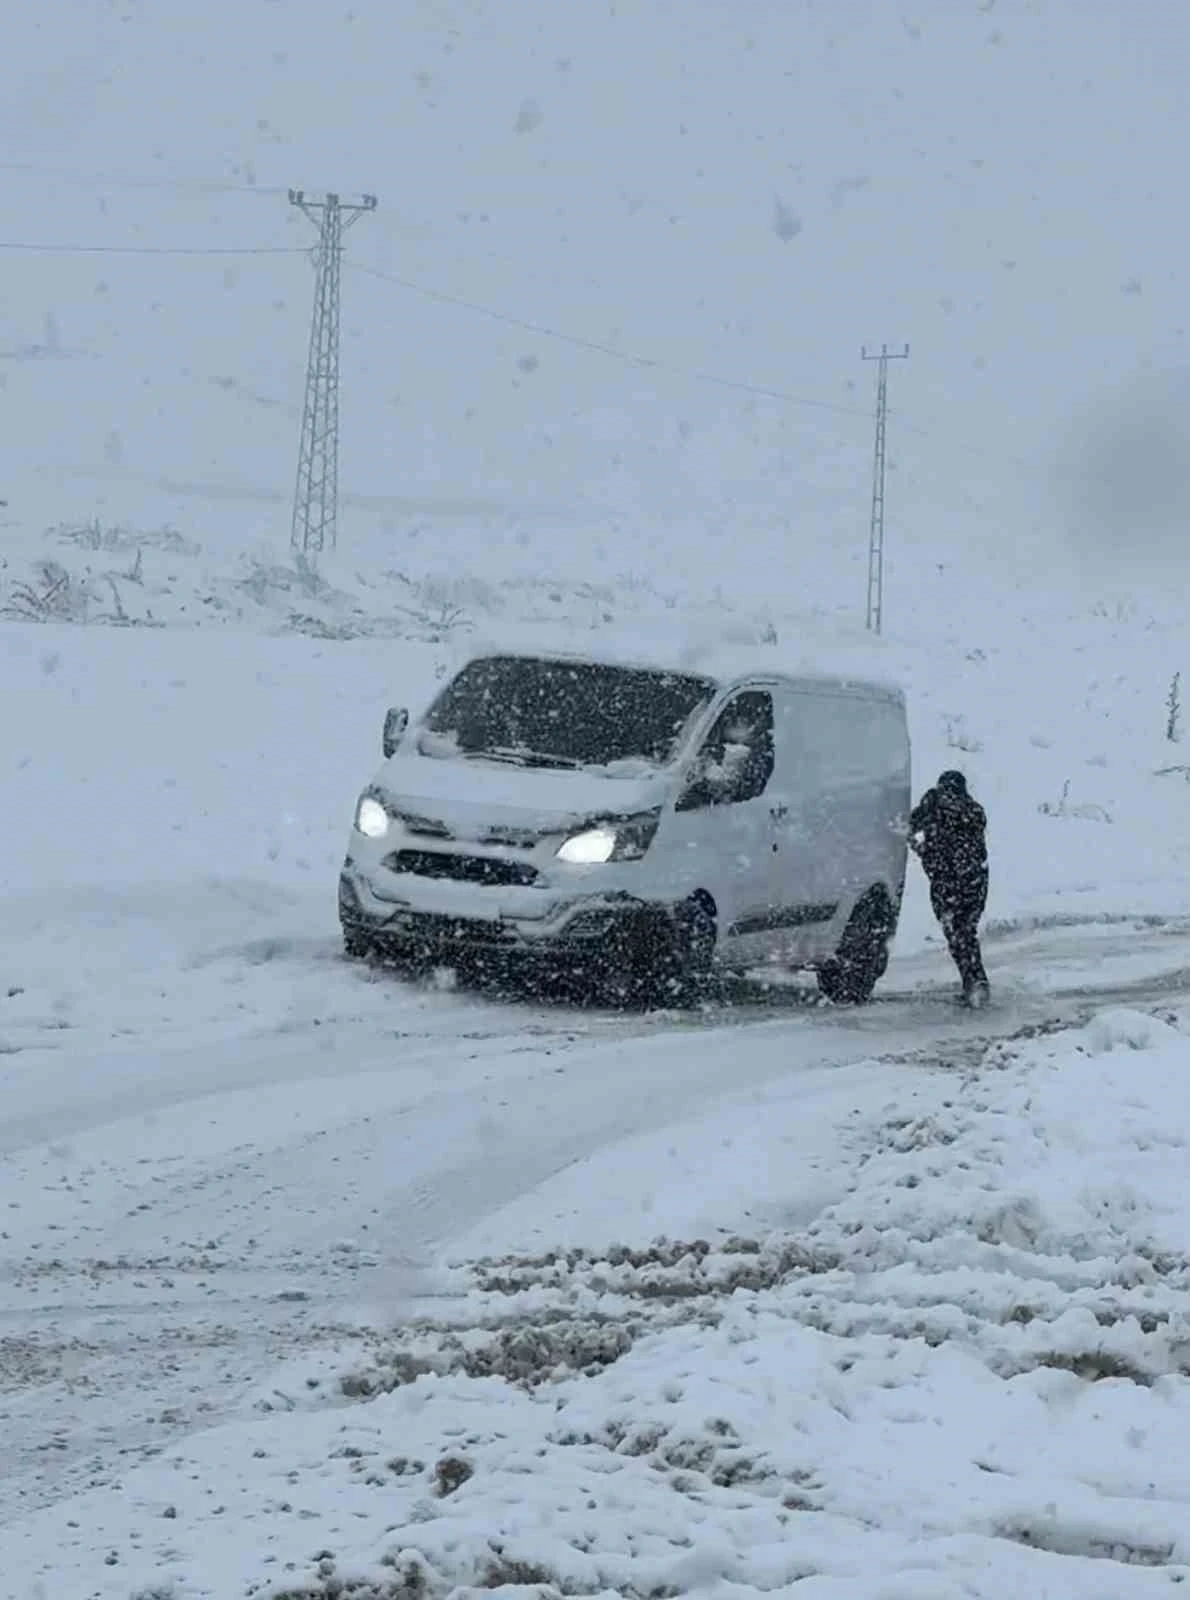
[976, 994]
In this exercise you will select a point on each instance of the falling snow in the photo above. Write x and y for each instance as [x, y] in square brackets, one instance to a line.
[319, 1278]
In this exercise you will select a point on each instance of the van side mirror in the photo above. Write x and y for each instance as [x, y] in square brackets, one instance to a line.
[396, 720]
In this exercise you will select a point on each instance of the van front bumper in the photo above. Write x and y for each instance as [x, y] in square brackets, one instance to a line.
[433, 920]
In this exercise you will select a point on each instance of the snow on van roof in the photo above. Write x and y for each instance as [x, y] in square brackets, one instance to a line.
[812, 651]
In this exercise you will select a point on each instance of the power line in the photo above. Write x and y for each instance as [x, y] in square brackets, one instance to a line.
[612, 351]
[112, 180]
[31, 248]
[221, 186]
[500, 316]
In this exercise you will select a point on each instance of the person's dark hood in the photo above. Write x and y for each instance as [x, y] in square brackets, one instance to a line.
[952, 783]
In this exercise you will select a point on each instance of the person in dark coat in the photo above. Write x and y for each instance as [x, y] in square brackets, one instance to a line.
[947, 831]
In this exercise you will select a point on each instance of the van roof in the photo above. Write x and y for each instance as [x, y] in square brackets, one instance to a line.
[724, 662]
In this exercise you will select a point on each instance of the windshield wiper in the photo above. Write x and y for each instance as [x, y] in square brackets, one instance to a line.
[522, 758]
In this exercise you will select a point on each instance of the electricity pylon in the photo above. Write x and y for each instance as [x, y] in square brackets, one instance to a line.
[876, 528]
[316, 496]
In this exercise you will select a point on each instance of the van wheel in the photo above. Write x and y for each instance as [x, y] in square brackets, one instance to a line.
[356, 945]
[677, 970]
[861, 960]
[667, 958]
[694, 939]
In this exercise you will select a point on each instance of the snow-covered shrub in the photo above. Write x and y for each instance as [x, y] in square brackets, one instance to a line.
[959, 736]
[1083, 810]
[1173, 709]
[52, 595]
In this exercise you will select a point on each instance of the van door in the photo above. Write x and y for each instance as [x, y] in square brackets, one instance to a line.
[804, 891]
[721, 828]
[849, 756]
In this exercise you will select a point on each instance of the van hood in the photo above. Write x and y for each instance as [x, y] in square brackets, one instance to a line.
[470, 799]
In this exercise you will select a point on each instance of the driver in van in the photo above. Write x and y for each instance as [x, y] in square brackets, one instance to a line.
[947, 833]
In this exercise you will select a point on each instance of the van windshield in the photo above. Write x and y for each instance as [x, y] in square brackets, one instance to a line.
[538, 712]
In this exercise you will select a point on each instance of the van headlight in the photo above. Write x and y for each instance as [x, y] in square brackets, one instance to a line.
[625, 839]
[371, 819]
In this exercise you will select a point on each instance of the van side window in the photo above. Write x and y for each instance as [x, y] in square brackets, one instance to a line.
[736, 759]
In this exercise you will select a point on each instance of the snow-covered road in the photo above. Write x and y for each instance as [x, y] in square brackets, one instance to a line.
[179, 1218]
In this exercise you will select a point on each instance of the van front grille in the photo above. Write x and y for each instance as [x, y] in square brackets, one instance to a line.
[463, 869]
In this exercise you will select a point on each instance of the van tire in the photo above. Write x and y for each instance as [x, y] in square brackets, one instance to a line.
[666, 958]
[676, 970]
[692, 957]
[356, 945]
[861, 959]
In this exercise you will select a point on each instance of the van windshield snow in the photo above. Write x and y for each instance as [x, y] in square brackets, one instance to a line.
[562, 713]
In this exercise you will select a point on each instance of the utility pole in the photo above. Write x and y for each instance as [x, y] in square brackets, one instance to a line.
[316, 496]
[876, 530]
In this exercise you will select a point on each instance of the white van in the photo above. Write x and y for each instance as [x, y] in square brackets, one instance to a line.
[637, 824]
